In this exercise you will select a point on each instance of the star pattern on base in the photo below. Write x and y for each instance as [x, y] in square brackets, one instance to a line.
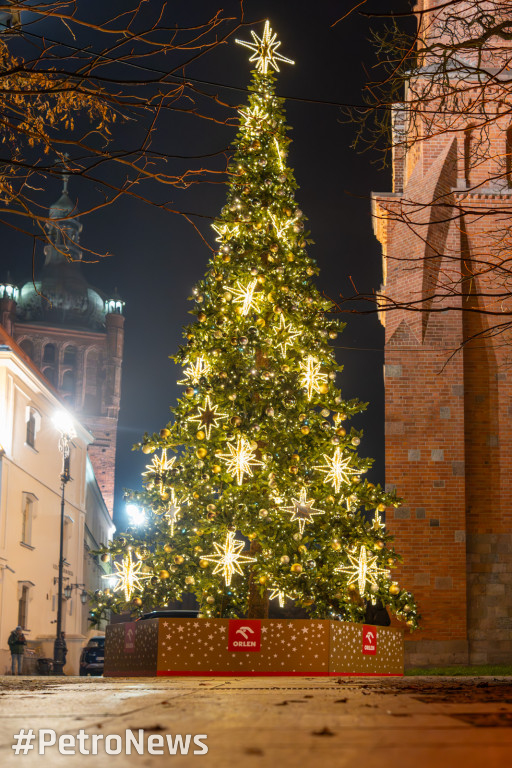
[228, 558]
[208, 416]
[264, 49]
[128, 576]
[302, 510]
[362, 569]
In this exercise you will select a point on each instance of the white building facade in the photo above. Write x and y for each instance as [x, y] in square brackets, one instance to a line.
[30, 509]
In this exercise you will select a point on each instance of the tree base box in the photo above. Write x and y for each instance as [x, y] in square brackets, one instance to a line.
[224, 647]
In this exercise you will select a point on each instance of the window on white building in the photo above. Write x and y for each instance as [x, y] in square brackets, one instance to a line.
[23, 600]
[33, 425]
[28, 506]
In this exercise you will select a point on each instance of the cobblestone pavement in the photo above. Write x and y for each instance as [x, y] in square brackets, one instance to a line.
[300, 722]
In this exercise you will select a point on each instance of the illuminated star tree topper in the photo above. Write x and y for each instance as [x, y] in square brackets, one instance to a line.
[228, 557]
[265, 52]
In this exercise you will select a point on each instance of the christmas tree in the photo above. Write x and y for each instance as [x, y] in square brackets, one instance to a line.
[255, 490]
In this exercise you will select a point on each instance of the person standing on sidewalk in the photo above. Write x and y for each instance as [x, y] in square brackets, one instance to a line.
[16, 643]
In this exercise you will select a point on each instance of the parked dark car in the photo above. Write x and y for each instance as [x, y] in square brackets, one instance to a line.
[170, 613]
[93, 657]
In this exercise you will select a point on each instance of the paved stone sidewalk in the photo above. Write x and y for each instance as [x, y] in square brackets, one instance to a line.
[286, 722]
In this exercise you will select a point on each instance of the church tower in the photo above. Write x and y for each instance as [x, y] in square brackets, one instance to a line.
[449, 417]
[74, 334]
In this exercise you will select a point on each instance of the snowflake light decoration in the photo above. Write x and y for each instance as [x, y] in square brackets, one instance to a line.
[337, 470]
[228, 558]
[362, 569]
[302, 510]
[195, 371]
[265, 50]
[128, 576]
[245, 295]
[208, 416]
[311, 378]
[240, 459]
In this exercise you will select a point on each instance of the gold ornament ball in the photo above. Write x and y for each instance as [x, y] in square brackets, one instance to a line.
[137, 601]
[216, 469]
[165, 433]
[189, 580]
[210, 600]
[201, 453]
[296, 568]
[201, 435]
[356, 479]
[355, 441]
[167, 548]
[352, 587]
[163, 574]
[263, 579]
[305, 429]
[330, 499]
[394, 588]
[251, 536]
[380, 544]
[323, 388]
[179, 559]
[164, 495]
[204, 564]
[293, 469]
[105, 557]
[303, 549]
[284, 560]
[341, 432]
[410, 623]
[201, 317]
[381, 507]
[147, 448]
[336, 545]
[189, 392]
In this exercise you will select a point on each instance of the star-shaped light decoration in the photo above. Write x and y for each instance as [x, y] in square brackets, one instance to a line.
[265, 50]
[156, 472]
[245, 295]
[283, 229]
[173, 508]
[377, 523]
[228, 558]
[311, 377]
[362, 569]
[285, 335]
[253, 119]
[280, 594]
[208, 416]
[240, 459]
[302, 510]
[337, 470]
[226, 229]
[128, 576]
[195, 371]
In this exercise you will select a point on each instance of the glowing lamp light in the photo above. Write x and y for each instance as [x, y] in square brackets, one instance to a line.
[136, 515]
[64, 423]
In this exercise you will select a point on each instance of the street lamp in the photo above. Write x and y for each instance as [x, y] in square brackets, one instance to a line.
[68, 591]
[64, 424]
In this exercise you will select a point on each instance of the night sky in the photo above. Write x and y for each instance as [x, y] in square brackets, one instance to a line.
[157, 257]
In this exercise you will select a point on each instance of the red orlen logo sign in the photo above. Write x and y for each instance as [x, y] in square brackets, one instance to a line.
[244, 635]
[129, 637]
[369, 640]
